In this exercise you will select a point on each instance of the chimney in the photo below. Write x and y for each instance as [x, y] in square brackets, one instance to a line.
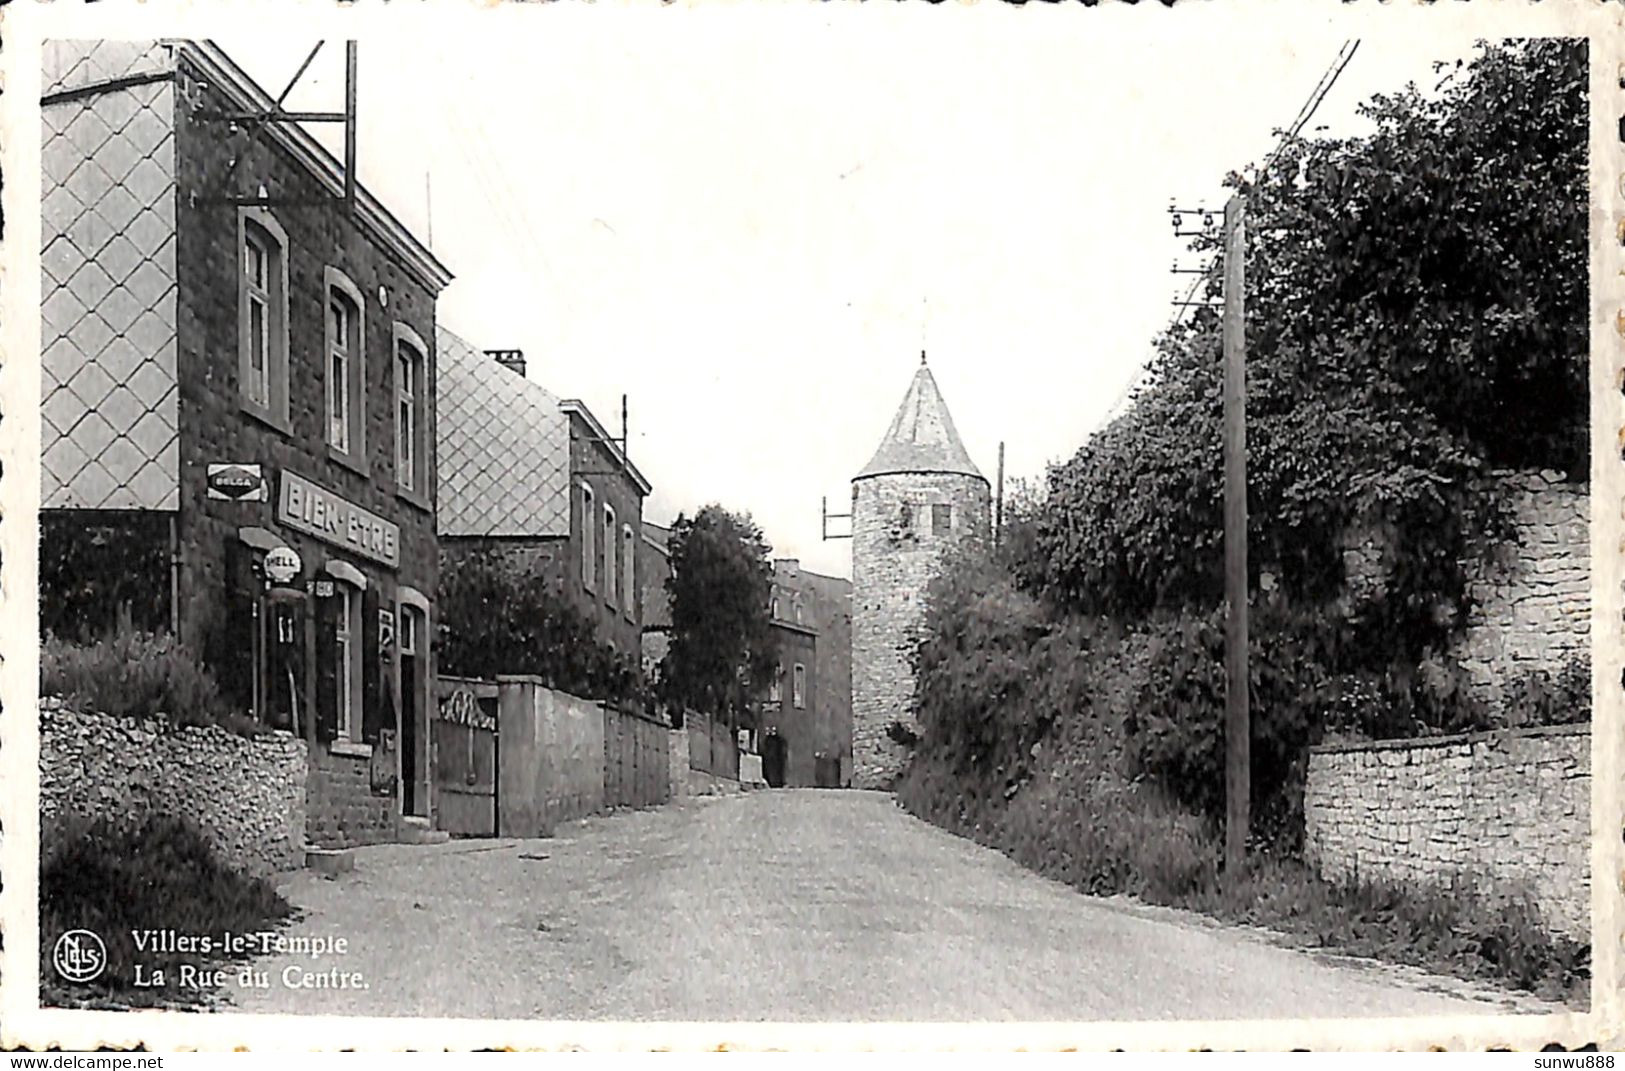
[513, 360]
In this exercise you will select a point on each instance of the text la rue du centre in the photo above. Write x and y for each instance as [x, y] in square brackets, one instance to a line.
[264, 942]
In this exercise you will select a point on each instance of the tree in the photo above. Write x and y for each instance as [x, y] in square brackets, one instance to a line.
[499, 616]
[1416, 316]
[722, 654]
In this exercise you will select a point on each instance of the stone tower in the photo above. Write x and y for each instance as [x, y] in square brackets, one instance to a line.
[918, 496]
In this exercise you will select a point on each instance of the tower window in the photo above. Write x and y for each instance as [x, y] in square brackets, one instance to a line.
[942, 518]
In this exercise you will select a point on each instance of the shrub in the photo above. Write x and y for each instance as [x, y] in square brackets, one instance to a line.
[115, 879]
[135, 674]
[1543, 697]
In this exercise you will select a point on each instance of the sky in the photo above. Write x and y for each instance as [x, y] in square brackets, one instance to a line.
[751, 220]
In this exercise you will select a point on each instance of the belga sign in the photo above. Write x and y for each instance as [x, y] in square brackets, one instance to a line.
[323, 514]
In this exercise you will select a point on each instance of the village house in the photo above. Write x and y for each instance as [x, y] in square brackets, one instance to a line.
[238, 413]
[541, 479]
[804, 731]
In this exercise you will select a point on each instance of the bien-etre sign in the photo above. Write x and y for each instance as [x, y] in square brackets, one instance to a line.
[323, 514]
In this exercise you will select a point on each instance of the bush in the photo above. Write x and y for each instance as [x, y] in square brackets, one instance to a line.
[135, 674]
[116, 879]
[498, 615]
[1541, 697]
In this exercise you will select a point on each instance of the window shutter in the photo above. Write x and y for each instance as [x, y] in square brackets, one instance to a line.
[327, 710]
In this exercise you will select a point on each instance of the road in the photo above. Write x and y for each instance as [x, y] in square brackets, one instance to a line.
[781, 906]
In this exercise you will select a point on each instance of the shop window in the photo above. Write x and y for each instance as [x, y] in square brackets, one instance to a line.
[942, 518]
[629, 591]
[589, 542]
[262, 311]
[798, 687]
[610, 552]
[345, 372]
[347, 660]
[411, 461]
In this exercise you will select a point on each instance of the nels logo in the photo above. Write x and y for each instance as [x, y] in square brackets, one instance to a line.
[79, 956]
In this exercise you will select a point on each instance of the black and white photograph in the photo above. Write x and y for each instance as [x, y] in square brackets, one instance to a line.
[531, 524]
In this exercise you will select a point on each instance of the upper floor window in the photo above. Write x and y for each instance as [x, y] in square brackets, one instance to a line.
[775, 689]
[795, 606]
[262, 314]
[798, 686]
[411, 386]
[629, 594]
[589, 544]
[346, 367]
[942, 518]
[775, 608]
[610, 551]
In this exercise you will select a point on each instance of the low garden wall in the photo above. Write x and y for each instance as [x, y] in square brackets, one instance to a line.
[552, 765]
[247, 794]
[1511, 808]
[637, 761]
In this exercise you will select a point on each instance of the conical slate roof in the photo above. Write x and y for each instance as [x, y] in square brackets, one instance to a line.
[922, 437]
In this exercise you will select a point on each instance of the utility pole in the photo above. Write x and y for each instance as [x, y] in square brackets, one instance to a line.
[1237, 716]
[998, 501]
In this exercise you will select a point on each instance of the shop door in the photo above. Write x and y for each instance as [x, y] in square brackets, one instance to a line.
[411, 741]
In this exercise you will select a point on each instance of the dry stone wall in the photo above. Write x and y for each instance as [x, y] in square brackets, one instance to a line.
[893, 562]
[1533, 604]
[247, 794]
[1510, 807]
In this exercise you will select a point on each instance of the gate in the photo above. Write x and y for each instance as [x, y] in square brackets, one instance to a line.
[467, 747]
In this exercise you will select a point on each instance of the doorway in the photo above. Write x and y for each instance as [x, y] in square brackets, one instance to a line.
[410, 628]
[774, 754]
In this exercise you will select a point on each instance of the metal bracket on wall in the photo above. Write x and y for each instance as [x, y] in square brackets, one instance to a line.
[253, 121]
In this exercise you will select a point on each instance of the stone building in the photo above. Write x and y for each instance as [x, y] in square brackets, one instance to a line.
[919, 495]
[238, 413]
[804, 730]
[542, 480]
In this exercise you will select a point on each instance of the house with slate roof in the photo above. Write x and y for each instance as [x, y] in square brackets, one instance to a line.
[540, 478]
[238, 413]
[919, 496]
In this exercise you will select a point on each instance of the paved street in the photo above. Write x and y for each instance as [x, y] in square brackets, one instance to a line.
[788, 905]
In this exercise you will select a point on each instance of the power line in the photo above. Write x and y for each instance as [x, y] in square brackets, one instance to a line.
[1311, 104]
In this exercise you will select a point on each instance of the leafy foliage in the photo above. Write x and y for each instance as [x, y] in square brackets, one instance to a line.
[116, 879]
[722, 653]
[1416, 313]
[97, 568]
[134, 674]
[499, 614]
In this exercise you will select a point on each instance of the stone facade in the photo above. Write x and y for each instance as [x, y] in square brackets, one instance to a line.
[1532, 606]
[328, 641]
[247, 794]
[1510, 809]
[893, 563]
[1531, 602]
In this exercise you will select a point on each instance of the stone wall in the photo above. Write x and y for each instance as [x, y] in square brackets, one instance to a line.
[1531, 601]
[1511, 806]
[344, 808]
[247, 794]
[892, 566]
[552, 765]
[677, 761]
[637, 764]
[1533, 604]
